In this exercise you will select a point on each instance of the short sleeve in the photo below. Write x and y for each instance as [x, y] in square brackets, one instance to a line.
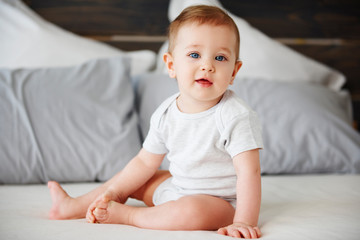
[154, 142]
[242, 133]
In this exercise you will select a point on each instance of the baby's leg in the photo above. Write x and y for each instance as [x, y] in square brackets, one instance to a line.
[198, 212]
[66, 207]
[146, 192]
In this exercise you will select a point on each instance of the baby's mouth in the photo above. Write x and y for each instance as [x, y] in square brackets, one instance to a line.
[204, 82]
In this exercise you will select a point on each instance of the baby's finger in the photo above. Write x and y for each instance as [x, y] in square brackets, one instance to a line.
[92, 206]
[257, 231]
[90, 219]
[99, 212]
[234, 233]
[253, 233]
[101, 204]
[90, 209]
[222, 231]
[90, 216]
[244, 232]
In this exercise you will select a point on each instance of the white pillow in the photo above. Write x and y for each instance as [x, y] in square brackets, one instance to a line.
[263, 57]
[29, 41]
[69, 124]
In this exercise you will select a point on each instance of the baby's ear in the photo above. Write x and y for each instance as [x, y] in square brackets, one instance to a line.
[237, 67]
[169, 62]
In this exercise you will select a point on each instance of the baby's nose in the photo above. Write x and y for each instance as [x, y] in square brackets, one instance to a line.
[207, 66]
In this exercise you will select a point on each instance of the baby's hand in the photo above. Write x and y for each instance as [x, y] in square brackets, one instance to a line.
[240, 230]
[105, 197]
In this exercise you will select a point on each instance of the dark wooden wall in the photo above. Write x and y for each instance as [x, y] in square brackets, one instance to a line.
[326, 30]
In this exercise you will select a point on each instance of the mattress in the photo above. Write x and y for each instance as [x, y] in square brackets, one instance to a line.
[293, 207]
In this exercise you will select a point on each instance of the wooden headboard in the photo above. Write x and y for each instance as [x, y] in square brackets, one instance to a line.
[325, 30]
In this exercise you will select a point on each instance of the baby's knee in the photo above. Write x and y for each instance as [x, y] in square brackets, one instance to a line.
[190, 214]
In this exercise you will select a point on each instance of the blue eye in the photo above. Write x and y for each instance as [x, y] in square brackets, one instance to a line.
[220, 58]
[194, 55]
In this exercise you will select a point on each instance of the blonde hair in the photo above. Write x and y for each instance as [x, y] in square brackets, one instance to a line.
[202, 14]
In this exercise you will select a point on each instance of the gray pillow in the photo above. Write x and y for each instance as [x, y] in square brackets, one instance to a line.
[306, 127]
[67, 124]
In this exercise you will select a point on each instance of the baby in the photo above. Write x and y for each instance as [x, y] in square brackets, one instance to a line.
[211, 138]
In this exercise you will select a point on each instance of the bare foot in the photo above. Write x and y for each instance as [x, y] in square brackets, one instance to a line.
[108, 211]
[61, 202]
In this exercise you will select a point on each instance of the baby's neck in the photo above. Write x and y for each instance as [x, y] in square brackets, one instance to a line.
[192, 106]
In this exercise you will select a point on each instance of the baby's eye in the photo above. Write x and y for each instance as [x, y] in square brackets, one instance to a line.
[220, 58]
[194, 55]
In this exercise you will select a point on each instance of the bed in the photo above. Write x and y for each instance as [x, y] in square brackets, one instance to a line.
[293, 207]
[75, 106]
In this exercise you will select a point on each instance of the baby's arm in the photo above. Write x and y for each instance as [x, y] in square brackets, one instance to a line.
[135, 174]
[248, 189]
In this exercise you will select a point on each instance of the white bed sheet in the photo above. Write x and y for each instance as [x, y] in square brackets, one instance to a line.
[293, 207]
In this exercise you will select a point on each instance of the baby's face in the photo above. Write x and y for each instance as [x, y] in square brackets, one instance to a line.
[204, 61]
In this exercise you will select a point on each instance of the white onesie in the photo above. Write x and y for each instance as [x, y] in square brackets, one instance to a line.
[200, 146]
